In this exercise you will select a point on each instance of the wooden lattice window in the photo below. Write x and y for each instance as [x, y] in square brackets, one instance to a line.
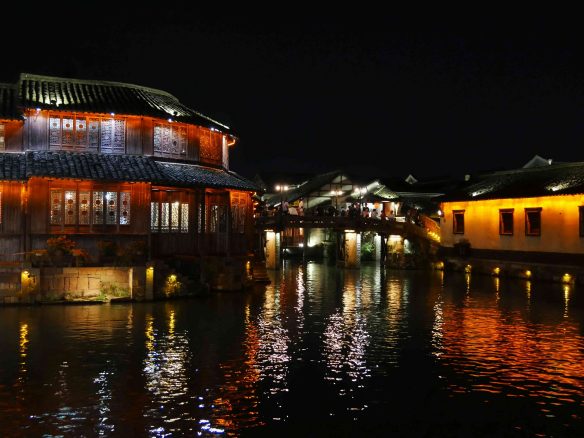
[56, 207]
[238, 209]
[169, 217]
[2, 137]
[84, 203]
[184, 218]
[77, 132]
[174, 216]
[154, 216]
[211, 143]
[170, 140]
[98, 208]
[125, 208]
[70, 207]
[165, 217]
[111, 199]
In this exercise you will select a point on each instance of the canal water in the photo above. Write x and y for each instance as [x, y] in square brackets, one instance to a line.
[320, 351]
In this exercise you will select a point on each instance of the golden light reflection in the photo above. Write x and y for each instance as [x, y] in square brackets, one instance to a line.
[495, 351]
[165, 371]
[567, 291]
[237, 402]
[22, 362]
[23, 341]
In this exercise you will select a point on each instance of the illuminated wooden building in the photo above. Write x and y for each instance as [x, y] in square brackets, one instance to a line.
[530, 215]
[98, 160]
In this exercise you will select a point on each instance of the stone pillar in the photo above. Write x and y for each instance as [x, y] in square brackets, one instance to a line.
[137, 282]
[352, 250]
[377, 241]
[272, 250]
[305, 232]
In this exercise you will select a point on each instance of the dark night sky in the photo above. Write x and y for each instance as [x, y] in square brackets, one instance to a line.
[373, 94]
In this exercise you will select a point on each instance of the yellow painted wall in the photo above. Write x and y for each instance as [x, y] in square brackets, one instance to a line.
[559, 224]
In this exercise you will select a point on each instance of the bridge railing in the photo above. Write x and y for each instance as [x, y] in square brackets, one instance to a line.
[425, 227]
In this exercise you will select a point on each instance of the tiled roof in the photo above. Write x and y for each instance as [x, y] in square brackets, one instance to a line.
[62, 94]
[105, 167]
[192, 175]
[8, 109]
[12, 167]
[556, 179]
[92, 166]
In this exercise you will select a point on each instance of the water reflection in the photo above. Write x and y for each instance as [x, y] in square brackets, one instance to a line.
[237, 402]
[345, 341]
[166, 370]
[359, 352]
[493, 349]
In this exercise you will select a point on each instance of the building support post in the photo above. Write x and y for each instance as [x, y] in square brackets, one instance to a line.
[273, 249]
[352, 249]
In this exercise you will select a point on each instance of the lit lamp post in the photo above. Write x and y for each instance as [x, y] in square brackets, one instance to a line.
[281, 188]
[361, 192]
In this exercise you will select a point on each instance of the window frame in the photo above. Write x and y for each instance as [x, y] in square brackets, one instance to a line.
[581, 220]
[456, 223]
[2, 136]
[528, 226]
[84, 139]
[60, 220]
[502, 230]
[171, 203]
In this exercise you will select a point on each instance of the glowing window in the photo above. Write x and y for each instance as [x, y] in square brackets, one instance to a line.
[124, 208]
[70, 207]
[165, 217]
[170, 140]
[98, 208]
[506, 221]
[84, 202]
[184, 218]
[76, 132]
[2, 137]
[154, 216]
[111, 199]
[174, 216]
[56, 206]
[533, 221]
[458, 221]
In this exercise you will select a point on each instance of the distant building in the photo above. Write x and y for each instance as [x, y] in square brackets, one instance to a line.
[530, 215]
[106, 161]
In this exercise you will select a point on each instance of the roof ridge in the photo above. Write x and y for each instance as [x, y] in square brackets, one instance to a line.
[31, 76]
